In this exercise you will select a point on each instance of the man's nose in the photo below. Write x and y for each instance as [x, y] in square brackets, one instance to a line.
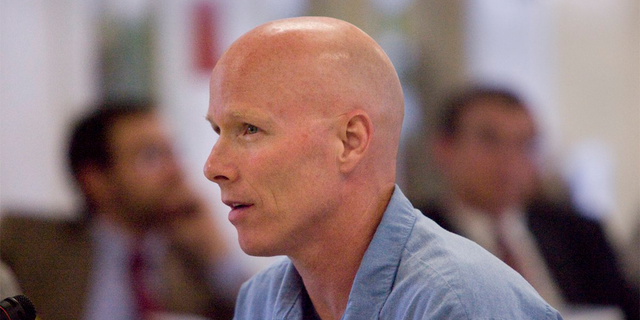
[218, 168]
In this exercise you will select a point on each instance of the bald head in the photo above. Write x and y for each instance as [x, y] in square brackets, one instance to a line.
[319, 66]
[308, 112]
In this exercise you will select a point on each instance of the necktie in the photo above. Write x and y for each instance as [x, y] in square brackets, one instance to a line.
[506, 253]
[521, 255]
[143, 300]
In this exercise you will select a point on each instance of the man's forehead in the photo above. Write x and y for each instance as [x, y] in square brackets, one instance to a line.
[492, 110]
[239, 112]
[136, 125]
[499, 120]
[131, 123]
[262, 96]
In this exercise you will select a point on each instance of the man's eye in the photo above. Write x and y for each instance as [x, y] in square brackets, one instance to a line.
[251, 129]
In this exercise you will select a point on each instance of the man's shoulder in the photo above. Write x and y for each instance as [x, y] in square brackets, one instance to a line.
[561, 218]
[23, 225]
[443, 273]
[29, 220]
[31, 233]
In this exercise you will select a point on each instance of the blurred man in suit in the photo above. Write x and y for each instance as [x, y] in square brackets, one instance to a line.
[486, 147]
[146, 244]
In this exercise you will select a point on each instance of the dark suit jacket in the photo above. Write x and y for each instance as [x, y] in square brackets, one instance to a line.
[52, 262]
[576, 252]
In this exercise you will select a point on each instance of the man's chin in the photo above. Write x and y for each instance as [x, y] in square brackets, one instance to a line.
[156, 220]
[258, 248]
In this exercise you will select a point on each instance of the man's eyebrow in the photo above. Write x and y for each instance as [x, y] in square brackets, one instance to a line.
[263, 118]
[214, 126]
[210, 120]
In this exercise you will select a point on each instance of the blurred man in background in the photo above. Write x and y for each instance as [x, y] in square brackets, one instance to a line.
[146, 246]
[486, 148]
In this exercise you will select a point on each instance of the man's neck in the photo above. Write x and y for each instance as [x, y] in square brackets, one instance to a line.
[328, 269]
[459, 200]
[124, 226]
[329, 284]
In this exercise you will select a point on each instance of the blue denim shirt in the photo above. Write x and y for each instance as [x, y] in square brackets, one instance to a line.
[412, 269]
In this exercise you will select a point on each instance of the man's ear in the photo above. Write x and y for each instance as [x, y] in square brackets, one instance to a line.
[94, 182]
[355, 134]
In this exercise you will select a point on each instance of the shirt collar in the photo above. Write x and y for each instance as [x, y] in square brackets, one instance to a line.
[114, 245]
[293, 302]
[289, 294]
[376, 275]
[482, 228]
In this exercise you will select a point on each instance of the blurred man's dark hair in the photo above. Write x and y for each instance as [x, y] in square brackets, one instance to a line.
[456, 106]
[89, 138]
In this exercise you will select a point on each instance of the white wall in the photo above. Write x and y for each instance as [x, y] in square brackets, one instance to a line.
[598, 77]
[47, 65]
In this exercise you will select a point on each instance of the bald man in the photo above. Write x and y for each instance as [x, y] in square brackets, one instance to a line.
[308, 112]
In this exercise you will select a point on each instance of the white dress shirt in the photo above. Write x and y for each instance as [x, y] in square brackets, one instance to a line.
[111, 295]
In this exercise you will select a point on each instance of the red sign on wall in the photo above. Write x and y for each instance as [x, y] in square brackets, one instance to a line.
[205, 36]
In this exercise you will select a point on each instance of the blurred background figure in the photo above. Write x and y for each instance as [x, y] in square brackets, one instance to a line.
[146, 243]
[486, 146]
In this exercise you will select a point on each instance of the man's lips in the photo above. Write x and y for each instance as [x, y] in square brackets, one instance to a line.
[234, 204]
[238, 208]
